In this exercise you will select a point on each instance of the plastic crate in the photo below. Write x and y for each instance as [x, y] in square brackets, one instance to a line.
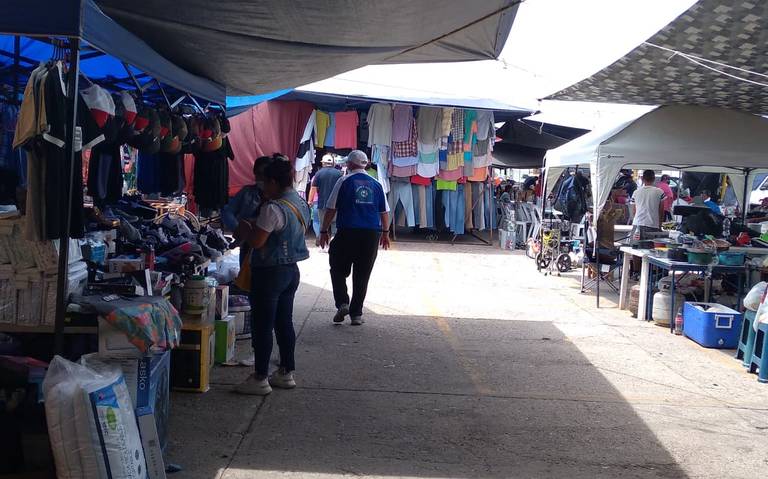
[712, 329]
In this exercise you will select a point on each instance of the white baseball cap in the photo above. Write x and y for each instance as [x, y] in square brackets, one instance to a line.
[327, 159]
[357, 157]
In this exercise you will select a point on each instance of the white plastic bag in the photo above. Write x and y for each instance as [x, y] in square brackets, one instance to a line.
[755, 295]
[91, 423]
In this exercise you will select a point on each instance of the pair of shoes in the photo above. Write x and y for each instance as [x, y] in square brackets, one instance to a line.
[357, 320]
[342, 312]
[282, 379]
[254, 386]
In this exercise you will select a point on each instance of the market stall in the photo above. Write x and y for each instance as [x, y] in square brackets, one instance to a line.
[436, 172]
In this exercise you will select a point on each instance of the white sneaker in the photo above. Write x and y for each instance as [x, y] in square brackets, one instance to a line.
[343, 310]
[282, 379]
[254, 386]
[357, 320]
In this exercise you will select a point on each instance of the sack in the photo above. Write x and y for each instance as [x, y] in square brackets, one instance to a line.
[755, 296]
[243, 280]
[92, 424]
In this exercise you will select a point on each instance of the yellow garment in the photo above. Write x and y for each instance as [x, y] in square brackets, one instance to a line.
[445, 126]
[322, 120]
[455, 161]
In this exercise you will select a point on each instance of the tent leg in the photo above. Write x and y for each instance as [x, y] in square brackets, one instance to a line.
[61, 280]
[596, 249]
[745, 200]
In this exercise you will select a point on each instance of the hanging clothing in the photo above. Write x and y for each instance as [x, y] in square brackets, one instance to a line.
[212, 176]
[403, 194]
[429, 124]
[446, 121]
[380, 157]
[402, 122]
[346, 129]
[380, 124]
[485, 124]
[322, 121]
[330, 132]
[407, 148]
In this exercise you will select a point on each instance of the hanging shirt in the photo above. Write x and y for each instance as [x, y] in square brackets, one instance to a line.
[485, 126]
[407, 148]
[322, 121]
[359, 200]
[445, 123]
[346, 129]
[402, 120]
[330, 132]
[380, 124]
[429, 124]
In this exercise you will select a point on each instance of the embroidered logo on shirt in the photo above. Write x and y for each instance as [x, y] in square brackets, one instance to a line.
[364, 195]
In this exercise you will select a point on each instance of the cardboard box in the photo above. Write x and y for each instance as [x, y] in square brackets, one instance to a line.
[114, 343]
[125, 265]
[192, 360]
[150, 441]
[225, 340]
[222, 301]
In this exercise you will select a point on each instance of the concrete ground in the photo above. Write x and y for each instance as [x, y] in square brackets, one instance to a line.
[473, 364]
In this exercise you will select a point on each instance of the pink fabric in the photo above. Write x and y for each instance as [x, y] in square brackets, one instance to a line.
[267, 128]
[402, 119]
[346, 129]
[451, 175]
[669, 196]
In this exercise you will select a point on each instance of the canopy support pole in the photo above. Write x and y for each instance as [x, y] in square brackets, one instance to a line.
[61, 280]
[16, 59]
[745, 200]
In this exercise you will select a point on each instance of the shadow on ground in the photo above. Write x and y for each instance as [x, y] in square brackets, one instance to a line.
[420, 397]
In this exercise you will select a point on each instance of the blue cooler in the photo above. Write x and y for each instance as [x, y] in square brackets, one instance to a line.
[712, 329]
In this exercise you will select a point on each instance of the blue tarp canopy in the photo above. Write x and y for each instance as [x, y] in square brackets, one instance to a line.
[106, 45]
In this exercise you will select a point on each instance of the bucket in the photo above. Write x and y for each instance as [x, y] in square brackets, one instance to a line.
[195, 296]
[731, 259]
[242, 321]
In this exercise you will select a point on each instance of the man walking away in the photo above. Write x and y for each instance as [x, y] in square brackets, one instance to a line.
[649, 207]
[362, 217]
[322, 184]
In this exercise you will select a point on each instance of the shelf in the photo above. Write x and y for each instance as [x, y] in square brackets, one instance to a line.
[16, 328]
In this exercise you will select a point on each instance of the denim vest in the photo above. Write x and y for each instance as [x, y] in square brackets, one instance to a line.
[288, 245]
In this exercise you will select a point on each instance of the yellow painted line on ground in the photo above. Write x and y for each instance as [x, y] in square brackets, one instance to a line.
[437, 317]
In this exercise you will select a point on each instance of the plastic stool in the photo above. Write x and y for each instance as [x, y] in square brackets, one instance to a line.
[759, 360]
[746, 339]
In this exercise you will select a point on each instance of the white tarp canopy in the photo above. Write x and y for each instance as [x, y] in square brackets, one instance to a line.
[672, 137]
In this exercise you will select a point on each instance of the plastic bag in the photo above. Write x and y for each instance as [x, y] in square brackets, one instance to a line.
[92, 425]
[755, 296]
[228, 269]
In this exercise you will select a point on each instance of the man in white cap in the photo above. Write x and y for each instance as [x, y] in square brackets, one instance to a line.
[322, 185]
[362, 218]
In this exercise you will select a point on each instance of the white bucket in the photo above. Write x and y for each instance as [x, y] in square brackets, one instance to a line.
[195, 296]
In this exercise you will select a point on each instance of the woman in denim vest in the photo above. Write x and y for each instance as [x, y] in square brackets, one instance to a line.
[277, 239]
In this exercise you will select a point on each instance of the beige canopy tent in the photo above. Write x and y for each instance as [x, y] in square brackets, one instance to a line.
[673, 137]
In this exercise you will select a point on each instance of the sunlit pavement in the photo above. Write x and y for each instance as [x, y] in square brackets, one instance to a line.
[473, 364]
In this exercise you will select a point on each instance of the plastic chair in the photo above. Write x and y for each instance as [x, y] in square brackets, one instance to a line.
[759, 361]
[746, 339]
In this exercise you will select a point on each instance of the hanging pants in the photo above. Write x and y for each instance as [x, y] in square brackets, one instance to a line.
[453, 201]
[401, 192]
[423, 205]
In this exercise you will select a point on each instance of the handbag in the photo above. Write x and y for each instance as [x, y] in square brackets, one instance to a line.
[243, 280]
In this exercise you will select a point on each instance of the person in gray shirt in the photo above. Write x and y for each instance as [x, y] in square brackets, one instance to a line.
[322, 185]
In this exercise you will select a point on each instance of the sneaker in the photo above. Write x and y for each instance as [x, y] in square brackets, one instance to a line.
[357, 320]
[254, 386]
[343, 310]
[282, 379]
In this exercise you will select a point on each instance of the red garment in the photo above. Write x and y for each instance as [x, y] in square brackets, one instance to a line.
[346, 129]
[267, 128]
[420, 180]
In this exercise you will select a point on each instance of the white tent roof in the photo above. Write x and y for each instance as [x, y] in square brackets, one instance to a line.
[673, 137]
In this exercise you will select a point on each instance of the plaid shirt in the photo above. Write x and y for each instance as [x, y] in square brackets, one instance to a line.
[457, 124]
[407, 148]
